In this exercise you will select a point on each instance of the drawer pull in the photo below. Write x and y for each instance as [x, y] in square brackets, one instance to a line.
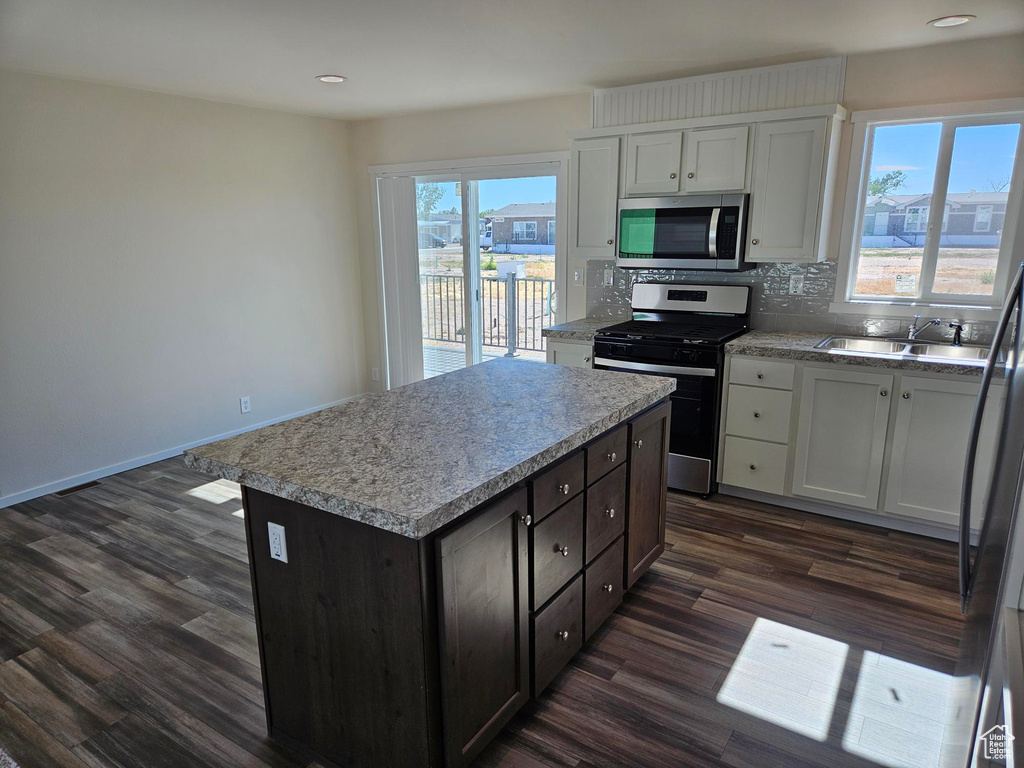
[690, 175]
[757, 415]
[607, 587]
[672, 175]
[638, 443]
[586, 359]
[753, 467]
[564, 489]
[612, 456]
[563, 635]
[906, 395]
[610, 242]
[563, 550]
[760, 375]
[884, 393]
[526, 519]
[610, 512]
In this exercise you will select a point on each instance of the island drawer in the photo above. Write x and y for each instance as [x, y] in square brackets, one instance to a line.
[606, 505]
[603, 587]
[761, 373]
[606, 453]
[557, 485]
[556, 551]
[557, 634]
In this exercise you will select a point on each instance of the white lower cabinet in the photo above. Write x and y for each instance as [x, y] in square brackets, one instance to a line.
[755, 464]
[929, 449]
[840, 439]
[575, 354]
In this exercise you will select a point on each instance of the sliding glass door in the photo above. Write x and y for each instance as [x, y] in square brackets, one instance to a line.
[486, 268]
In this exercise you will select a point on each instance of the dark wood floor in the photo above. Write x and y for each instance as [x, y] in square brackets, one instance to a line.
[127, 639]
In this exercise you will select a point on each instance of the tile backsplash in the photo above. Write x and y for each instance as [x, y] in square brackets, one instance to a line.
[772, 306]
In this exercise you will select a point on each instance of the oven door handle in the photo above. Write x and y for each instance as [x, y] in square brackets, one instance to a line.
[673, 370]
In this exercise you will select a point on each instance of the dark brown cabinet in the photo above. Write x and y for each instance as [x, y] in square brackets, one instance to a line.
[485, 652]
[557, 550]
[557, 634]
[648, 473]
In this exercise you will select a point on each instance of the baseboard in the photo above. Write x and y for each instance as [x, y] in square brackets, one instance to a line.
[829, 510]
[124, 466]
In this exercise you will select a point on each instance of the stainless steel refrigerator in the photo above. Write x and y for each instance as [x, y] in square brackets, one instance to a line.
[985, 684]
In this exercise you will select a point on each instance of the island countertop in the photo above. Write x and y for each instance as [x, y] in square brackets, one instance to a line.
[414, 458]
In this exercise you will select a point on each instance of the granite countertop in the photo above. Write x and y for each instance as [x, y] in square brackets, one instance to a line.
[801, 346]
[579, 330]
[417, 457]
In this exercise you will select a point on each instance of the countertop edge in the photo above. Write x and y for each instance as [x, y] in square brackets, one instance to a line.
[423, 526]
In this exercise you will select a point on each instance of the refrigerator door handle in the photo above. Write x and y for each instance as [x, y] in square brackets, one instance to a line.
[1013, 298]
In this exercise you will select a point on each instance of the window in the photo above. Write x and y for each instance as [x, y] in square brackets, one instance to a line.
[524, 230]
[551, 231]
[983, 218]
[964, 164]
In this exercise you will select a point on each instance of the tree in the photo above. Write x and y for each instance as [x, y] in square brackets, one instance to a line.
[486, 213]
[998, 185]
[427, 197]
[889, 182]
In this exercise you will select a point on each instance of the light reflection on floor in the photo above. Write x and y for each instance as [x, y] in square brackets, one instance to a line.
[791, 678]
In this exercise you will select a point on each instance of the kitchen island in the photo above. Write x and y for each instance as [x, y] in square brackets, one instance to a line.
[427, 559]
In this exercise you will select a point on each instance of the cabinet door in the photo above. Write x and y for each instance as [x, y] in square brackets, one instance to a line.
[716, 159]
[593, 197]
[572, 354]
[648, 487]
[485, 651]
[840, 444]
[929, 449]
[652, 162]
[786, 197]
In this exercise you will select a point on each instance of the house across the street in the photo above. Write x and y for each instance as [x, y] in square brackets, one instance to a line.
[524, 228]
[970, 220]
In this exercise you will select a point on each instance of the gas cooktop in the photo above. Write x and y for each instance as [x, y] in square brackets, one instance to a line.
[682, 332]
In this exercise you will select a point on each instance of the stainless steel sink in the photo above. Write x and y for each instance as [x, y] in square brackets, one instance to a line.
[853, 344]
[947, 352]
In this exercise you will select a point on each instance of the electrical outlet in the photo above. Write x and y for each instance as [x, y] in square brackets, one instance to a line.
[578, 278]
[609, 278]
[796, 284]
[243, 403]
[375, 374]
[278, 544]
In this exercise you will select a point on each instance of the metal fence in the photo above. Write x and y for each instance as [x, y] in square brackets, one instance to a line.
[443, 311]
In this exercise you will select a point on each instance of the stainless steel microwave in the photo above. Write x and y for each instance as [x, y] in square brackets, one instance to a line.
[692, 232]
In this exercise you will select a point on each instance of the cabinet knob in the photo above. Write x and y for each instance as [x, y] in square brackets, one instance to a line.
[586, 359]
[755, 241]
[563, 550]
[564, 489]
[610, 242]
[671, 175]
[612, 456]
[638, 443]
[753, 467]
[884, 393]
[690, 175]
[757, 415]
[610, 512]
[563, 635]
[607, 587]
[906, 395]
[526, 520]
[760, 375]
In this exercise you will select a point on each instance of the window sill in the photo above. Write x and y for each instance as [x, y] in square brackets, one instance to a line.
[910, 309]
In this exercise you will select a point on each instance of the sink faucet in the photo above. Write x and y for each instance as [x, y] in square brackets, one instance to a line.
[915, 328]
[958, 332]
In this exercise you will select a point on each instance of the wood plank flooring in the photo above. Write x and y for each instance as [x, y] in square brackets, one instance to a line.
[762, 637]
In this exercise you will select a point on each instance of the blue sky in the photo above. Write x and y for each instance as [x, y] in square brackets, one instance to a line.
[980, 154]
[495, 193]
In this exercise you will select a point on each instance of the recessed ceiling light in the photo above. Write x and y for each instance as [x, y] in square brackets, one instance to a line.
[952, 21]
[331, 78]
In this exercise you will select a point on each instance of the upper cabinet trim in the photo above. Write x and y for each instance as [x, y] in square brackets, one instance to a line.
[739, 92]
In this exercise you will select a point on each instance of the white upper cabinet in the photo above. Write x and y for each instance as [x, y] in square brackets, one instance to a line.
[716, 159]
[929, 449]
[789, 194]
[840, 444]
[652, 163]
[593, 197]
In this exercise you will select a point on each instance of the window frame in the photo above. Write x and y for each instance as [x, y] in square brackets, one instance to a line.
[525, 237]
[952, 116]
[988, 221]
[552, 230]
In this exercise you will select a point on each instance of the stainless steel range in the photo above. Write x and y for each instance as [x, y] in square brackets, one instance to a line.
[680, 330]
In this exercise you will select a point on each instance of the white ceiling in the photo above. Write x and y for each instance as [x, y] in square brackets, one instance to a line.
[411, 55]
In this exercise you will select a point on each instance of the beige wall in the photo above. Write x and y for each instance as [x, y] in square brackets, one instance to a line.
[159, 258]
[510, 128]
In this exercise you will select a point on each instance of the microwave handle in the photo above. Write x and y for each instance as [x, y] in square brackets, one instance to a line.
[713, 233]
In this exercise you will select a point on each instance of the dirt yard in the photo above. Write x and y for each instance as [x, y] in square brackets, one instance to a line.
[960, 270]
